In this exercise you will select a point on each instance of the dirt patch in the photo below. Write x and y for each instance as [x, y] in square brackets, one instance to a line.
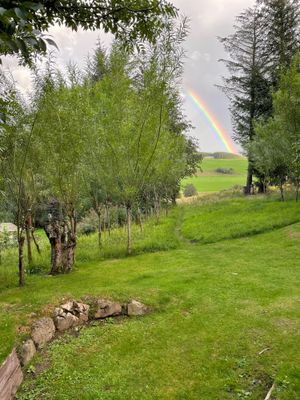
[287, 325]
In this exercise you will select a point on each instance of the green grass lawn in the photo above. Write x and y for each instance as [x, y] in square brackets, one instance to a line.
[211, 181]
[226, 288]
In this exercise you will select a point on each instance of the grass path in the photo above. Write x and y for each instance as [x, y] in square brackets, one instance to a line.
[216, 305]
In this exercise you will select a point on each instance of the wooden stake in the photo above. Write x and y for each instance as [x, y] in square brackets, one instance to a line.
[268, 397]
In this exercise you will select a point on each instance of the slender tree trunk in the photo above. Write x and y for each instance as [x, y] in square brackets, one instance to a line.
[157, 209]
[174, 199]
[21, 241]
[140, 222]
[146, 213]
[108, 219]
[297, 192]
[167, 209]
[35, 241]
[248, 188]
[128, 211]
[99, 228]
[281, 191]
[28, 228]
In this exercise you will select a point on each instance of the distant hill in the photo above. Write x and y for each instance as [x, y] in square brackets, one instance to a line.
[210, 179]
[222, 155]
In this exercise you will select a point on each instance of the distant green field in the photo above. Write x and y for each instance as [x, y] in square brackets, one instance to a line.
[211, 181]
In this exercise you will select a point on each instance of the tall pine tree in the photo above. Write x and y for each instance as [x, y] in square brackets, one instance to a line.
[247, 87]
[282, 33]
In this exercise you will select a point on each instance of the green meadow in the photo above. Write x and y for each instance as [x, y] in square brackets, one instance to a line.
[222, 279]
[209, 180]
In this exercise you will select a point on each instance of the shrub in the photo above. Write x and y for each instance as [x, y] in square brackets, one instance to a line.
[189, 190]
[88, 224]
[226, 171]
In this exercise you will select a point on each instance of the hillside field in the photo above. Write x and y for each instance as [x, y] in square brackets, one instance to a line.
[211, 181]
[222, 279]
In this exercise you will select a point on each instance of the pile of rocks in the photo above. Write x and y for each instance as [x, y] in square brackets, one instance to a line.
[73, 314]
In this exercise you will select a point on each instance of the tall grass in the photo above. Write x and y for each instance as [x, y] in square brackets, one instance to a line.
[210, 219]
[155, 237]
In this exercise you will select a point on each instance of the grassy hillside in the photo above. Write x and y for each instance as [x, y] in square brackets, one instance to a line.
[219, 297]
[211, 181]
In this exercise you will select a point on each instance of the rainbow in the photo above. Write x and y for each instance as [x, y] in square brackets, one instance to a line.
[220, 133]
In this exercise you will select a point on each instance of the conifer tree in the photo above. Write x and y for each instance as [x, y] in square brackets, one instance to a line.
[247, 86]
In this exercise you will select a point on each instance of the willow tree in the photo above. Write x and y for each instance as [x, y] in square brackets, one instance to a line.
[17, 166]
[62, 109]
[131, 119]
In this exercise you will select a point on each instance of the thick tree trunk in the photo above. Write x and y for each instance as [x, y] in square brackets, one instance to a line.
[53, 232]
[128, 211]
[69, 243]
[68, 255]
[56, 256]
[21, 241]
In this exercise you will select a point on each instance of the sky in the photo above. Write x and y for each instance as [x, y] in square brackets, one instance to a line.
[208, 20]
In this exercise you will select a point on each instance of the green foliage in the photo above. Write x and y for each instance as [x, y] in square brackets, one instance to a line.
[23, 22]
[276, 147]
[189, 190]
[99, 139]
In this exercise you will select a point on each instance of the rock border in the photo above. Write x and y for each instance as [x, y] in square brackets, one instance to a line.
[66, 317]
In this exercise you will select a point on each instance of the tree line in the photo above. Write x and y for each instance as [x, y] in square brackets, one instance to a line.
[263, 88]
[113, 133]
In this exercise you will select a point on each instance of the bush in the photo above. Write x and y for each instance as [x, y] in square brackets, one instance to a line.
[190, 190]
[226, 171]
[88, 224]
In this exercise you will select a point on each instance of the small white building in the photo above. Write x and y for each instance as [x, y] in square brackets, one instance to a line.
[8, 227]
[8, 234]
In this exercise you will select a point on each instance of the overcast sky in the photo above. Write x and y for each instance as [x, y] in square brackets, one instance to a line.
[208, 19]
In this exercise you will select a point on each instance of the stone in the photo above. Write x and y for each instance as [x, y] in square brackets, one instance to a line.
[65, 322]
[42, 331]
[68, 306]
[11, 376]
[107, 308]
[135, 308]
[27, 351]
[70, 314]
